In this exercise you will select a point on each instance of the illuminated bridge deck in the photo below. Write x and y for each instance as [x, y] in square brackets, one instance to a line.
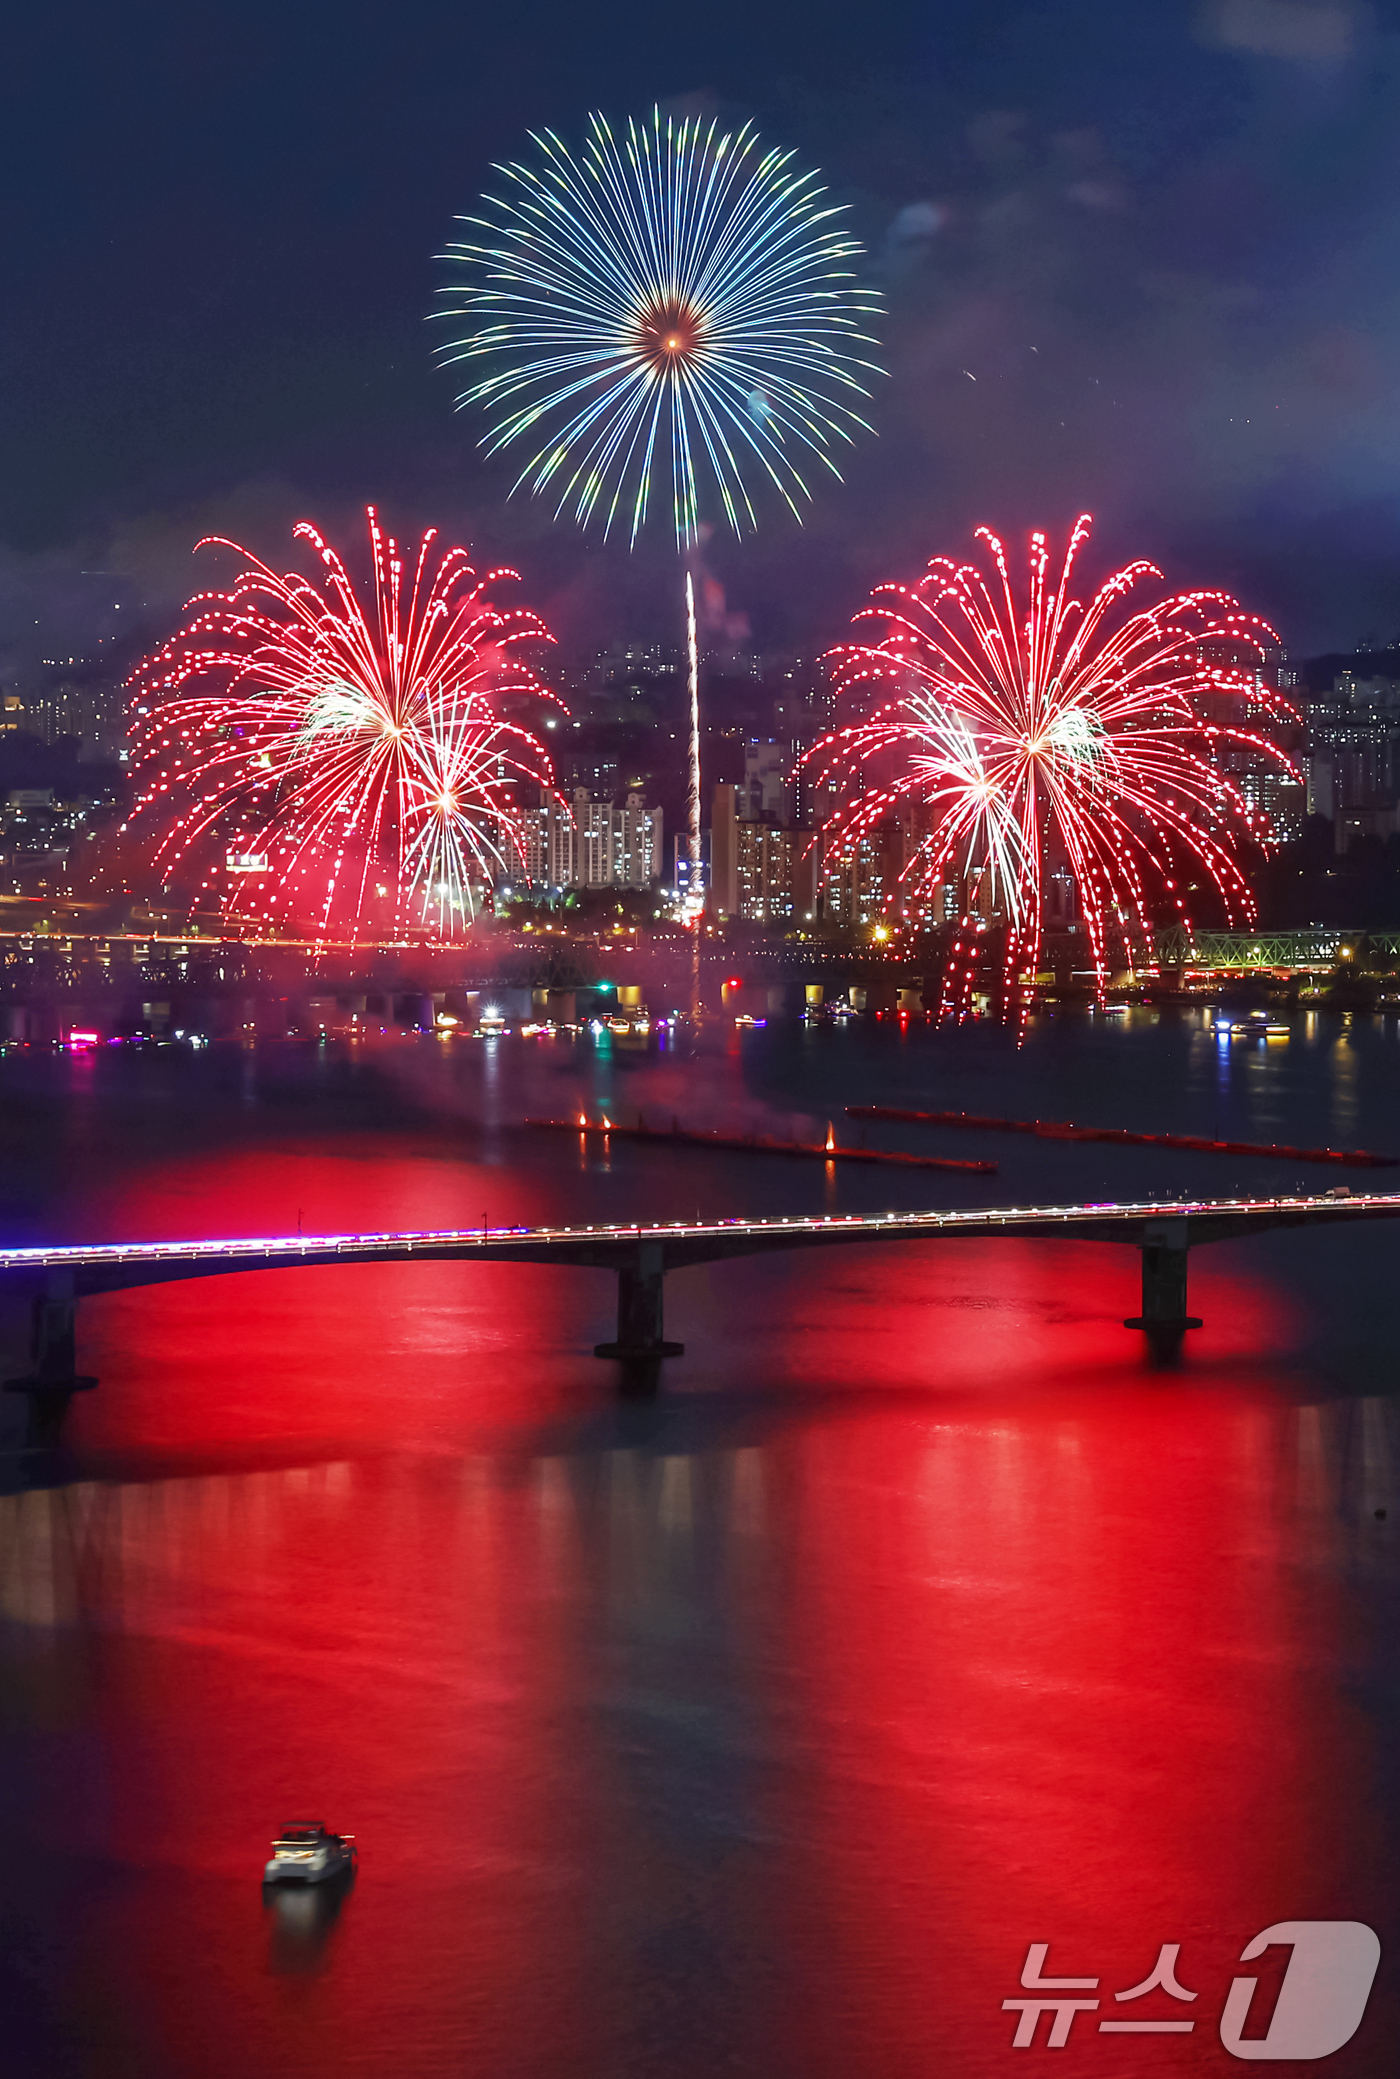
[58, 1276]
[1183, 1223]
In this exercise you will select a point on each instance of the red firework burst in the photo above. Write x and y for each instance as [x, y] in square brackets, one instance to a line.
[1024, 735]
[300, 760]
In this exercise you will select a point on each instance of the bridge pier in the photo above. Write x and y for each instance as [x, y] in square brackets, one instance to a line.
[53, 1347]
[640, 1303]
[1164, 1251]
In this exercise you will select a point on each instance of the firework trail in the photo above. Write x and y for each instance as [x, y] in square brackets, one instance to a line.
[302, 761]
[1022, 735]
[674, 296]
[692, 679]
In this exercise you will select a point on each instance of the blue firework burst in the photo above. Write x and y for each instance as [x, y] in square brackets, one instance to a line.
[674, 302]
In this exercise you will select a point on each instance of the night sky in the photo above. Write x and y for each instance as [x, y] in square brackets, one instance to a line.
[1141, 259]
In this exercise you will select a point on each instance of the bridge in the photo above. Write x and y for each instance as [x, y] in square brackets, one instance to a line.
[1314, 950]
[56, 1278]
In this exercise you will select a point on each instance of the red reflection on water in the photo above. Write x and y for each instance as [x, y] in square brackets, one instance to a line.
[394, 1354]
[372, 1645]
[919, 1622]
[423, 1352]
[1064, 1680]
[981, 1317]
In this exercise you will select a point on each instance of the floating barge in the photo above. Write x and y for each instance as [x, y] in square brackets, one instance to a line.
[1056, 1130]
[677, 1135]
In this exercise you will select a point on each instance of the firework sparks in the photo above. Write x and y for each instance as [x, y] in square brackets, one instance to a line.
[673, 298]
[1016, 737]
[300, 760]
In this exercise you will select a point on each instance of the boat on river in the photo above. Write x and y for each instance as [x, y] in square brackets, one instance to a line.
[1258, 1025]
[308, 1853]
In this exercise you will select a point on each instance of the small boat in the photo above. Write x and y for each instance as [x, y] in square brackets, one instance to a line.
[308, 1854]
[1258, 1025]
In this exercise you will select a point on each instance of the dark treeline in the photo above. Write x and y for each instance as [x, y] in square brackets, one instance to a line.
[1310, 882]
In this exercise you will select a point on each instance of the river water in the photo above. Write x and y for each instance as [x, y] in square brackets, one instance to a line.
[757, 1729]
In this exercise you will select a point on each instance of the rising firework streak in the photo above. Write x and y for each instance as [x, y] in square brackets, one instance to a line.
[301, 759]
[692, 794]
[1025, 732]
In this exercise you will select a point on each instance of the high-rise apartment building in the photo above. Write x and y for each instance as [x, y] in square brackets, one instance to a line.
[767, 783]
[884, 874]
[595, 844]
[550, 845]
[1352, 760]
[90, 711]
[761, 870]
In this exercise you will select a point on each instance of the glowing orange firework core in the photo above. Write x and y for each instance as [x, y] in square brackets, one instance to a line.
[669, 332]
